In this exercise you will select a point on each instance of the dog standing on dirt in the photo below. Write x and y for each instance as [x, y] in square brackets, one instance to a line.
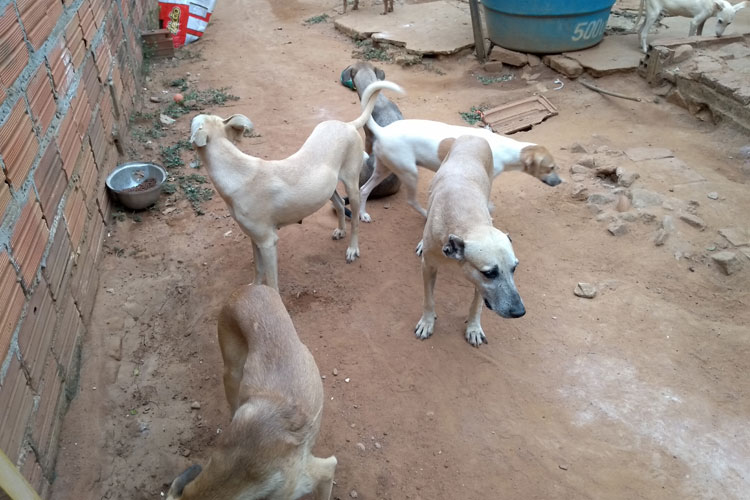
[459, 227]
[275, 394]
[404, 144]
[387, 6]
[699, 10]
[361, 75]
[265, 195]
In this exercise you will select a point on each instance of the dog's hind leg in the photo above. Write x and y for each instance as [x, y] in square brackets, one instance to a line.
[426, 324]
[338, 205]
[351, 183]
[379, 173]
[410, 181]
[474, 333]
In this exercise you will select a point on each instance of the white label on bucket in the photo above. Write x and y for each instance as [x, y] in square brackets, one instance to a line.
[588, 30]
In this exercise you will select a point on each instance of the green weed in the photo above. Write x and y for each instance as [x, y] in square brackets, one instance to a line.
[172, 154]
[474, 115]
[192, 186]
[487, 80]
[317, 19]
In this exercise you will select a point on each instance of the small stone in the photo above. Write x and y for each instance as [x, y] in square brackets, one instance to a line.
[149, 145]
[600, 199]
[604, 216]
[585, 290]
[625, 178]
[728, 261]
[629, 216]
[377, 445]
[617, 228]
[643, 198]
[154, 98]
[166, 120]
[335, 372]
[353, 494]
[578, 169]
[493, 66]
[563, 467]
[577, 148]
[648, 217]
[509, 56]
[661, 237]
[605, 171]
[346, 380]
[533, 60]
[588, 161]
[667, 223]
[623, 203]
[577, 177]
[693, 220]
[565, 65]
[579, 192]
[195, 405]
[185, 453]
[682, 53]
[361, 446]
[713, 195]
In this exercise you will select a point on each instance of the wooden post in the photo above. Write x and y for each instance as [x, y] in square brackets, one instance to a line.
[476, 25]
[13, 483]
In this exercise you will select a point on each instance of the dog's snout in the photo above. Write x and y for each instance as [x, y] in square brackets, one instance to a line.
[518, 311]
[487, 303]
[551, 179]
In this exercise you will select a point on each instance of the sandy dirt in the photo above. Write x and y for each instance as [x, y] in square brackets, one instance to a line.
[641, 392]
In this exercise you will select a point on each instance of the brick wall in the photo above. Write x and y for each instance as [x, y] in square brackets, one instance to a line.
[68, 76]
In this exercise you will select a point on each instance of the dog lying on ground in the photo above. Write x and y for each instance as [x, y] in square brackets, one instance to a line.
[361, 75]
[698, 10]
[404, 144]
[387, 6]
[265, 195]
[275, 394]
[459, 227]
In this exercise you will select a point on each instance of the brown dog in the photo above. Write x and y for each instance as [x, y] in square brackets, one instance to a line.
[275, 394]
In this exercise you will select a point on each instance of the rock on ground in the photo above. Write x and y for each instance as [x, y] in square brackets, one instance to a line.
[727, 261]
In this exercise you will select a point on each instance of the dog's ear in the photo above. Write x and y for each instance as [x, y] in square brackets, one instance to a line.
[740, 6]
[380, 74]
[717, 6]
[239, 122]
[178, 485]
[454, 248]
[445, 147]
[199, 137]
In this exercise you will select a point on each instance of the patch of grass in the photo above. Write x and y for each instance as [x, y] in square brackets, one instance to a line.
[487, 80]
[168, 188]
[317, 19]
[141, 116]
[474, 115]
[192, 186]
[365, 50]
[172, 154]
[181, 83]
[156, 131]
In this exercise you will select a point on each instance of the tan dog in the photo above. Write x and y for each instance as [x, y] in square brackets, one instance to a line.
[404, 144]
[265, 195]
[387, 6]
[275, 394]
[459, 227]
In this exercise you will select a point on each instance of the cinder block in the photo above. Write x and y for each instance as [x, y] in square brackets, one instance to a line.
[29, 240]
[11, 302]
[18, 144]
[16, 400]
[59, 258]
[61, 64]
[69, 326]
[69, 142]
[74, 39]
[50, 181]
[47, 413]
[86, 20]
[37, 332]
[15, 56]
[42, 99]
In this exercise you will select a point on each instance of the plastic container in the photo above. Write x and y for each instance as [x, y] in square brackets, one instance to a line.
[546, 26]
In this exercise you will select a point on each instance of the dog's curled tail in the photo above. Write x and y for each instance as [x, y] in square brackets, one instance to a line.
[368, 100]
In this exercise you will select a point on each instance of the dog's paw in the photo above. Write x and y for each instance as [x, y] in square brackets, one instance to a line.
[351, 254]
[338, 233]
[418, 251]
[425, 326]
[475, 335]
[365, 217]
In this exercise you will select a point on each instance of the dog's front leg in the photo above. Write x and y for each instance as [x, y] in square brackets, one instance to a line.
[321, 470]
[270, 264]
[426, 324]
[258, 261]
[474, 333]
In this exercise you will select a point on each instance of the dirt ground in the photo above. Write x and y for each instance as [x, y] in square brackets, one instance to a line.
[641, 392]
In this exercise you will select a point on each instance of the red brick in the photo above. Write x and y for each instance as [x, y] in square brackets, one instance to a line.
[81, 110]
[39, 18]
[29, 239]
[13, 52]
[75, 216]
[37, 332]
[32, 471]
[90, 79]
[42, 99]
[87, 174]
[18, 144]
[76, 45]
[16, 400]
[86, 21]
[47, 414]
[61, 64]
[59, 258]
[11, 302]
[103, 61]
[69, 142]
[5, 196]
[50, 181]
[98, 140]
[68, 328]
[106, 111]
[99, 9]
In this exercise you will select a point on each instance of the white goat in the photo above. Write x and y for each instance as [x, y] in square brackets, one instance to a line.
[698, 10]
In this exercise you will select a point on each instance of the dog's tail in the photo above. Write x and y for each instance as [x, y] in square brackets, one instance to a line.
[368, 101]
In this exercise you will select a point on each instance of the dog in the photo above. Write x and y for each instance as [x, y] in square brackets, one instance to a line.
[459, 228]
[699, 10]
[275, 394]
[361, 75]
[265, 195]
[404, 144]
[387, 6]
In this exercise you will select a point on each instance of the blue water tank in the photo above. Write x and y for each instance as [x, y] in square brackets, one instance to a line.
[546, 26]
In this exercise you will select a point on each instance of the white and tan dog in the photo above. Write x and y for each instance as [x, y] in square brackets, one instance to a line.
[275, 394]
[459, 227]
[404, 144]
[265, 195]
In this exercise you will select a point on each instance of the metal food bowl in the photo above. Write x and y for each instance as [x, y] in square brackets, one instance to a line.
[125, 179]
